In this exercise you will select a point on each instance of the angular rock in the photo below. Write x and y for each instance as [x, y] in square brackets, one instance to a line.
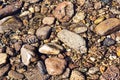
[44, 32]
[55, 66]
[27, 53]
[15, 75]
[108, 26]
[4, 69]
[3, 58]
[72, 40]
[48, 20]
[64, 11]
[51, 48]
[76, 75]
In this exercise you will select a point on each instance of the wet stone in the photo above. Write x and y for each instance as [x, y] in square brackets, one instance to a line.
[4, 69]
[108, 42]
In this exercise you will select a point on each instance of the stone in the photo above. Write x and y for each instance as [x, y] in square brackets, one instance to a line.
[97, 5]
[51, 48]
[76, 75]
[93, 70]
[3, 58]
[64, 11]
[32, 1]
[80, 29]
[108, 42]
[4, 69]
[106, 1]
[10, 51]
[15, 75]
[72, 40]
[66, 74]
[100, 19]
[18, 46]
[31, 39]
[48, 20]
[27, 53]
[9, 23]
[55, 66]
[44, 32]
[107, 27]
[81, 2]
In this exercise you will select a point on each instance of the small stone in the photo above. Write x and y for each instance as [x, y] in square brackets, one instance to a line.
[27, 52]
[81, 2]
[72, 40]
[37, 8]
[80, 29]
[10, 51]
[78, 17]
[3, 58]
[44, 32]
[108, 42]
[93, 70]
[55, 66]
[25, 13]
[48, 20]
[32, 1]
[118, 51]
[97, 5]
[31, 39]
[4, 69]
[31, 9]
[66, 73]
[106, 1]
[15, 75]
[51, 48]
[64, 11]
[107, 27]
[18, 46]
[98, 20]
[76, 75]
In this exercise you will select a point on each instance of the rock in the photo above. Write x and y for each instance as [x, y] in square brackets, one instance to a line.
[55, 66]
[107, 27]
[9, 23]
[31, 39]
[31, 9]
[106, 1]
[44, 32]
[93, 70]
[78, 17]
[80, 29]
[3, 58]
[108, 42]
[112, 72]
[76, 75]
[10, 51]
[118, 51]
[15, 75]
[27, 53]
[4, 69]
[81, 2]
[51, 48]
[18, 46]
[64, 11]
[118, 1]
[97, 5]
[72, 40]
[66, 73]
[48, 20]
[100, 19]
[32, 1]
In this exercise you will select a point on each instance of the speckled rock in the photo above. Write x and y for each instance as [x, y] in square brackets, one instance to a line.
[72, 40]
[107, 26]
[3, 58]
[48, 20]
[55, 66]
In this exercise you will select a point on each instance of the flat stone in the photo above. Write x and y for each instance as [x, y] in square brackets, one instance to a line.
[80, 29]
[48, 20]
[4, 69]
[51, 48]
[107, 27]
[44, 32]
[3, 58]
[76, 75]
[72, 40]
[15, 75]
[93, 70]
[81, 2]
[55, 66]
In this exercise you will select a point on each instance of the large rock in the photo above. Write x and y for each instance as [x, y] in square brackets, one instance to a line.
[55, 66]
[72, 40]
[108, 26]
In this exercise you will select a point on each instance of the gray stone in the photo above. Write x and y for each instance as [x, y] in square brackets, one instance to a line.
[93, 70]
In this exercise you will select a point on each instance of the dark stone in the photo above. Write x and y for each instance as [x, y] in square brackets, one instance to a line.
[108, 42]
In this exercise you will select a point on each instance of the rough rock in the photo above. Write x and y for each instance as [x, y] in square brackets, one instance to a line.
[107, 27]
[55, 66]
[72, 40]
[48, 20]
[3, 58]
[4, 69]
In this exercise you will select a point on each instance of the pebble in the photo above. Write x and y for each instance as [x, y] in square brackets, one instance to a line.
[25, 13]
[3, 58]
[18, 46]
[107, 27]
[31, 9]
[27, 53]
[72, 40]
[81, 2]
[4, 69]
[15, 75]
[66, 74]
[51, 48]
[80, 30]
[44, 32]
[10, 51]
[100, 19]
[78, 17]
[106, 1]
[48, 20]
[64, 11]
[55, 66]
[118, 51]
[31, 39]
[33, 1]
[108, 42]
[76, 75]
[93, 70]
[97, 5]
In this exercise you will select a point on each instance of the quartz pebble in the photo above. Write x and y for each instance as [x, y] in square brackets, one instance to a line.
[107, 27]
[97, 5]
[48, 20]
[55, 66]
[4, 69]
[72, 40]
[64, 11]
[3, 58]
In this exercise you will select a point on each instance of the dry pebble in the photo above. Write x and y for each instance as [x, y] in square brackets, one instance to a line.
[4, 69]
[3, 58]
[80, 29]
[48, 20]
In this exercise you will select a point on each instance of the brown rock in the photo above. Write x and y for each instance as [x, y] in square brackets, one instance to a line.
[4, 69]
[55, 66]
[81, 2]
[3, 58]
[48, 20]
[64, 11]
[18, 45]
[108, 26]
